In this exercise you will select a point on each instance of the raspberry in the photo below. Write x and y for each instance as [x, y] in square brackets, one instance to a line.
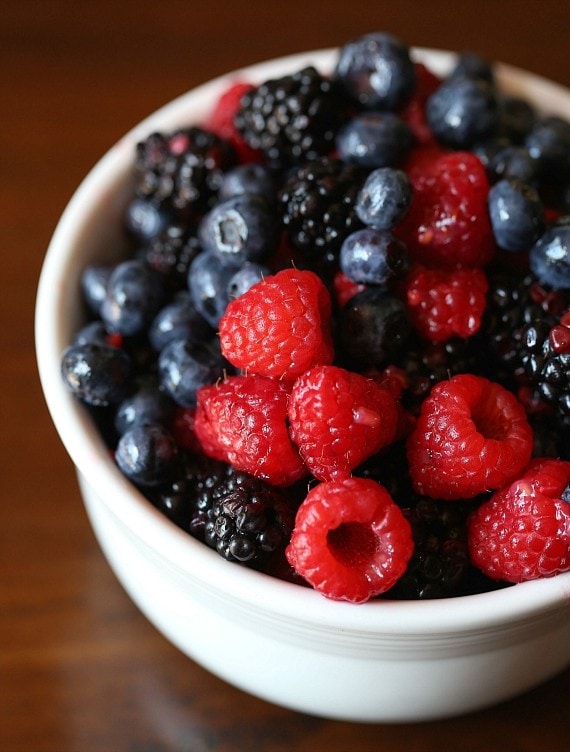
[448, 222]
[446, 302]
[345, 289]
[413, 112]
[351, 541]
[280, 327]
[221, 122]
[523, 531]
[242, 421]
[471, 436]
[338, 418]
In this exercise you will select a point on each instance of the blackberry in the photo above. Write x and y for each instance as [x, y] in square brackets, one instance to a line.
[248, 521]
[425, 364]
[318, 206]
[523, 334]
[182, 171]
[292, 119]
[171, 252]
[187, 498]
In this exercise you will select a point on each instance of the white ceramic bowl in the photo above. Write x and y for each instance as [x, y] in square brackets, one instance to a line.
[381, 661]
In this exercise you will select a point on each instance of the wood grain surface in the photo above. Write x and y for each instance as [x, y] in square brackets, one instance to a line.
[81, 670]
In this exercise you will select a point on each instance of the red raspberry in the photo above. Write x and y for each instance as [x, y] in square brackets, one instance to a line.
[242, 421]
[280, 327]
[446, 302]
[448, 221]
[413, 113]
[351, 541]
[221, 121]
[523, 531]
[183, 428]
[338, 418]
[471, 436]
[345, 288]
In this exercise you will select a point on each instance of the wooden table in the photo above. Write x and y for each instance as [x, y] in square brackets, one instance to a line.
[81, 670]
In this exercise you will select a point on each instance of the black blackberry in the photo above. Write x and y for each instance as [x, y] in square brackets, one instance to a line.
[186, 500]
[516, 333]
[248, 520]
[426, 363]
[293, 118]
[182, 170]
[171, 252]
[317, 203]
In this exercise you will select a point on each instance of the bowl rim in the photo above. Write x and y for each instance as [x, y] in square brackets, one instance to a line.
[486, 611]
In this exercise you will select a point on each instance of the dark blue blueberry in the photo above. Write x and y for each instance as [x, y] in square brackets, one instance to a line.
[516, 213]
[148, 404]
[462, 111]
[178, 320]
[97, 374]
[516, 118]
[473, 65]
[185, 366]
[134, 295]
[513, 162]
[147, 455]
[373, 257]
[248, 178]
[243, 228]
[249, 274]
[384, 199]
[145, 220]
[375, 139]
[208, 280]
[377, 71]
[94, 282]
[549, 143]
[92, 333]
[550, 257]
[374, 327]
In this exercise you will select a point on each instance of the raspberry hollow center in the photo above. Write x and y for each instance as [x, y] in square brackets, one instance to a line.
[488, 425]
[352, 544]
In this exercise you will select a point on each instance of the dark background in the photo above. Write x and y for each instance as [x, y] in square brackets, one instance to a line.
[80, 669]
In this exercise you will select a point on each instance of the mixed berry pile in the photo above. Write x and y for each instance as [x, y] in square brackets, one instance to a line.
[339, 351]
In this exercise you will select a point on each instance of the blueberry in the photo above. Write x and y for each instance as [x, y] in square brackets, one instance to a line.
[374, 139]
[250, 274]
[208, 280]
[134, 295]
[92, 333]
[549, 258]
[248, 178]
[516, 213]
[549, 143]
[513, 162]
[97, 374]
[473, 65]
[377, 71]
[373, 257]
[186, 366]
[145, 220]
[462, 111]
[179, 319]
[148, 404]
[94, 282]
[374, 326]
[147, 454]
[516, 118]
[243, 228]
[384, 199]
